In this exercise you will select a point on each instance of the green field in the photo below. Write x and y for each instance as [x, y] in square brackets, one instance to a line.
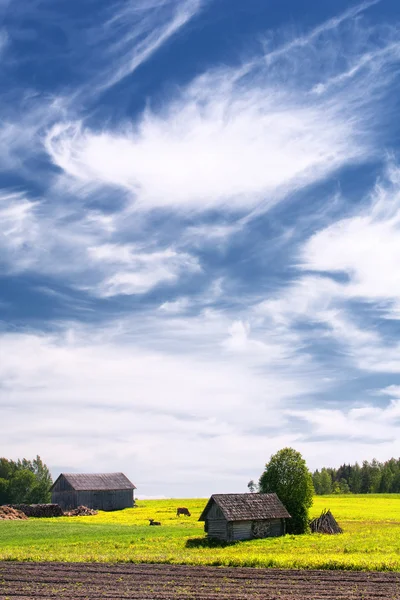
[371, 538]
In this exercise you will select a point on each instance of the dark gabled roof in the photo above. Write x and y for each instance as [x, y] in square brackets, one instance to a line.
[246, 507]
[97, 481]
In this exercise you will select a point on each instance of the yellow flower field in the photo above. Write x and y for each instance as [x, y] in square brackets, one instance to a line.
[371, 538]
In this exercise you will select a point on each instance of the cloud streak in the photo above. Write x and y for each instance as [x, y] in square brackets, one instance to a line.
[142, 28]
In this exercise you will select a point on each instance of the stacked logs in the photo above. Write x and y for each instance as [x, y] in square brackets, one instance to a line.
[23, 511]
[81, 511]
[325, 523]
[39, 510]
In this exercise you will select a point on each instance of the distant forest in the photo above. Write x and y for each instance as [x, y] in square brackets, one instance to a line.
[370, 478]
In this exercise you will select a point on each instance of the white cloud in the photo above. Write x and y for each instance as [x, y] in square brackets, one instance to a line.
[165, 383]
[175, 307]
[141, 28]
[216, 145]
[33, 238]
[365, 247]
[98, 398]
[368, 422]
[304, 41]
[238, 137]
[18, 232]
[365, 250]
[136, 272]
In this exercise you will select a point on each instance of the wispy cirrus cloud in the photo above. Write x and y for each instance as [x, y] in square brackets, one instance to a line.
[34, 238]
[365, 247]
[236, 137]
[347, 281]
[365, 421]
[137, 29]
[230, 149]
[228, 298]
[134, 271]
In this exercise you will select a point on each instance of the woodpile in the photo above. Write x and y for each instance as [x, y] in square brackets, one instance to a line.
[325, 523]
[39, 510]
[81, 511]
[7, 513]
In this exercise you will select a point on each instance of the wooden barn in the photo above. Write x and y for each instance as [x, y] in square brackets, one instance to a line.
[233, 517]
[101, 491]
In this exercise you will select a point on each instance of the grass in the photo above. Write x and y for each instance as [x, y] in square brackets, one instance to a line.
[371, 538]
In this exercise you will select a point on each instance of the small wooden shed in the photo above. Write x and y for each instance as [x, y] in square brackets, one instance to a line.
[233, 517]
[101, 491]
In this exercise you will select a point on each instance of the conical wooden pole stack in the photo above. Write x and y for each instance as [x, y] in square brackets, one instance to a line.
[325, 523]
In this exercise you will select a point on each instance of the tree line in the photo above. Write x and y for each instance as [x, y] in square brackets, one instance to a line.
[24, 481]
[368, 478]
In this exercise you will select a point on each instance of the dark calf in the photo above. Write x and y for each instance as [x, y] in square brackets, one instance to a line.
[182, 511]
[153, 522]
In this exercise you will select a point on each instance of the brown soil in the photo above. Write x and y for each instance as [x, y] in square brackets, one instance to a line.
[79, 581]
[8, 513]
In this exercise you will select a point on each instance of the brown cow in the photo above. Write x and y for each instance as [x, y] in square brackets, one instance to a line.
[182, 511]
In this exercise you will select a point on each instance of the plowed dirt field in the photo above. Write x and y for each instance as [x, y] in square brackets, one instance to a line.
[139, 582]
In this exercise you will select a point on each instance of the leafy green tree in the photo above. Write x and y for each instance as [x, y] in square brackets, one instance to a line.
[7, 468]
[375, 476]
[287, 475]
[344, 486]
[4, 493]
[20, 487]
[24, 481]
[355, 480]
[365, 478]
[387, 478]
[316, 478]
[325, 482]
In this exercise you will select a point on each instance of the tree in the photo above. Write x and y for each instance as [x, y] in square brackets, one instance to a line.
[316, 478]
[20, 487]
[325, 482]
[24, 481]
[355, 481]
[375, 476]
[287, 475]
[252, 486]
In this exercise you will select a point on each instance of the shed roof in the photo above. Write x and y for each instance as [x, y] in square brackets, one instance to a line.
[247, 507]
[97, 481]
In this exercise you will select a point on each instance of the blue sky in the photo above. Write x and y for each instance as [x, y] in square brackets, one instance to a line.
[199, 236]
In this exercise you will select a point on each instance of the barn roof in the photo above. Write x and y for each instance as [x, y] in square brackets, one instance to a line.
[246, 507]
[97, 481]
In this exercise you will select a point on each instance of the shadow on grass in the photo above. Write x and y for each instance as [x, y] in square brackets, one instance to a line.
[205, 542]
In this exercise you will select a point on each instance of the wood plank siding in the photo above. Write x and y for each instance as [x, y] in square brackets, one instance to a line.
[107, 491]
[234, 517]
[98, 500]
[240, 530]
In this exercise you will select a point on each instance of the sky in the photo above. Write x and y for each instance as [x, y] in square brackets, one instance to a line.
[199, 236]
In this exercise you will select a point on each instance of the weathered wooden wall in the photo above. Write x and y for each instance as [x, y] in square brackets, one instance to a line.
[219, 528]
[240, 530]
[64, 495]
